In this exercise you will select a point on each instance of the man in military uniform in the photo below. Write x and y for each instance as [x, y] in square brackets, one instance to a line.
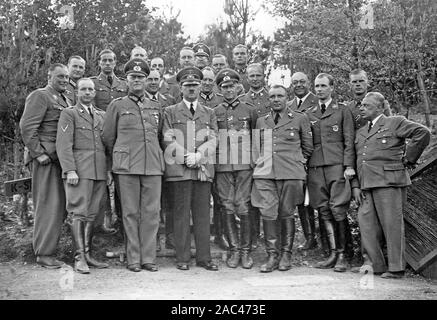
[283, 145]
[190, 139]
[76, 70]
[131, 135]
[152, 90]
[302, 101]
[331, 163]
[382, 161]
[168, 90]
[186, 59]
[108, 87]
[235, 120]
[207, 95]
[239, 57]
[39, 125]
[201, 55]
[82, 157]
[139, 52]
[258, 96]
[359, 84]
[219, 62]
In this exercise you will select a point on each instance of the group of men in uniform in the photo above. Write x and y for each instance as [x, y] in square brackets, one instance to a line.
[168, 145]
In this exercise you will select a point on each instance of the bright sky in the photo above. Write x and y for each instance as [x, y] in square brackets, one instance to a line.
[196, 14]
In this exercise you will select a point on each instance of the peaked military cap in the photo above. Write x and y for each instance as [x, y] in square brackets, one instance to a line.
[137, 65]
[201, 49]
[226, 76]
[189, 75]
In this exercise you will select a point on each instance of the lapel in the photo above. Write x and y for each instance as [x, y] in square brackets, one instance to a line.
[199, 110]
[377, 127]
[183, 109]
[57, 97]
[83, 113]
[311, 100]
[330, 109]
[104, 80]
[268, 119]
[316, 111]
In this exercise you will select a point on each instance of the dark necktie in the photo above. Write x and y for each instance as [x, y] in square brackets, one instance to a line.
[300, 103]
[110, 80]
[192, 109]
[90, 111]
[276, 118]
[370, 126]
[323, 108]
[154, 98]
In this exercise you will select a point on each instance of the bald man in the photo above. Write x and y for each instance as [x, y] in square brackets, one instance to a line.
[139, 52]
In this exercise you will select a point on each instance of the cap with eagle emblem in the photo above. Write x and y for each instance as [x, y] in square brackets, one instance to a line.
[189, 75]
[137, 66]
[226, 76]
[201, 49]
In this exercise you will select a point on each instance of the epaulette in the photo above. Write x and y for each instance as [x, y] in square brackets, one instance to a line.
[242, 95]
[219, 94]
[250, 104]
[119, 98]
[99, 110]
[93, 77]
[162, 96]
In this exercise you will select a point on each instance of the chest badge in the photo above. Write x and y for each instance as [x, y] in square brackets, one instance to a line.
[313, 122]
[156, 116]
[335, 128]
[230, 118]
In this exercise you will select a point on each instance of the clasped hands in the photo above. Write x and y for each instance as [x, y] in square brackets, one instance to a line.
[192, 160]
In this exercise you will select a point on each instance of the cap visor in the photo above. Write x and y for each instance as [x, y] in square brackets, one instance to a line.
[191, 82]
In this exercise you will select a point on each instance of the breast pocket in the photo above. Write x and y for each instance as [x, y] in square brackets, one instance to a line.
[291, 134]
[120, 158]
[221, 122]
[128, 120]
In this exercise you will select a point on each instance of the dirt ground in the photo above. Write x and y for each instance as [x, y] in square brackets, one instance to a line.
[26, 280]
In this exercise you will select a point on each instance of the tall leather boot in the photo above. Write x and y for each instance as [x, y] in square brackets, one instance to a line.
[323, 236]
[341, 264]
[330, 232]
[308, 229]
[246, 242]
[349, 249]
[270, 239]
[219, 234]
[88, 243]
[254, 216]
[80, 264]
[232, 235]
[287, 238]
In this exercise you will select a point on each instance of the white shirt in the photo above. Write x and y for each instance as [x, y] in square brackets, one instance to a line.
[303, 99]
[188, 104]
[376, 119]
[327, 103]
[88, 109]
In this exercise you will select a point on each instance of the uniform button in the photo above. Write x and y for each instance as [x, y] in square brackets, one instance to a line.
[274, 151]
[274, 144]
[365, 147]
[364, 161]
[364, 154]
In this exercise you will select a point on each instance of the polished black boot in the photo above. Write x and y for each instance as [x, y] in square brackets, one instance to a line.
[270, 239]
[349, 249]
[88, 243]
[246, 242]
[254, 216]
[232, 235]
[219, 233]
[341, 264]
[80, 263]
[307, 227]
[332, 259]
[323, 236]
[287, 239]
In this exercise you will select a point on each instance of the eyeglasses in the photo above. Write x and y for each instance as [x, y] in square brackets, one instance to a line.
[296, 82]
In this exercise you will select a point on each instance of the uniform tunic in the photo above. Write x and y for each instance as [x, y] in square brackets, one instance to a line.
[39, 125]
[281, 151]
[383, 179]
[190, 188]
[235, 121]
[106, 92]
[80, 148]
[333, 136]
[131, 134]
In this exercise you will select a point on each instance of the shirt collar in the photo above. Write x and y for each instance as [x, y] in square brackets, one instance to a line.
[327, 103]
[302, 99]
[187, 103]
[135, 98]
[151, 95]
[376, 119]
[86, 108]
[256, 92]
